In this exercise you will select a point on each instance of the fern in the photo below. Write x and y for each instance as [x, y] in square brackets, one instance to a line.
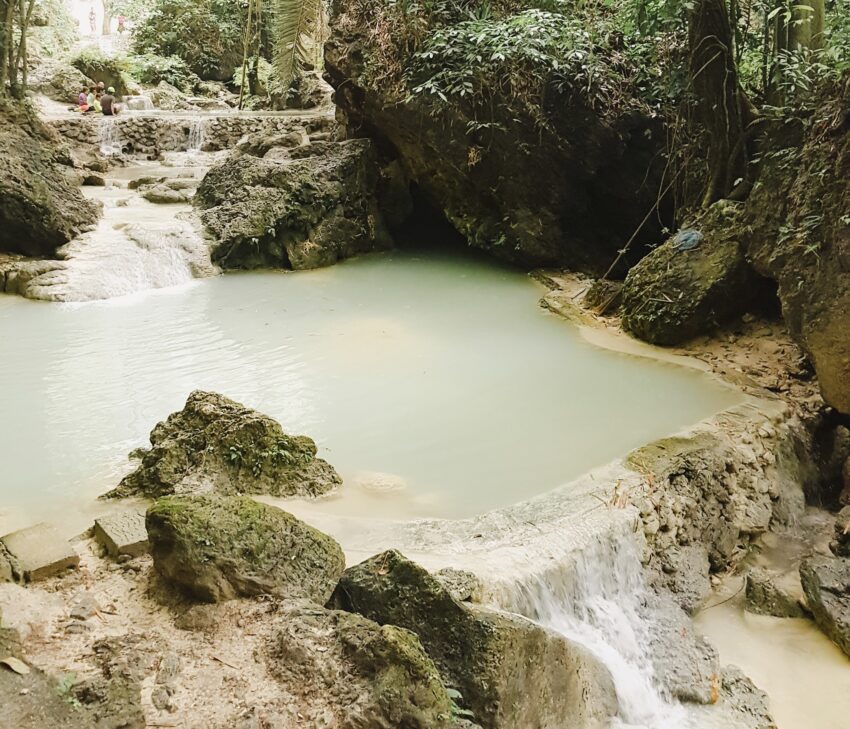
[296, 24]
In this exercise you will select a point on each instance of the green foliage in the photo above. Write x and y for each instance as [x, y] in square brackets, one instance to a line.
[205, 34]
[52, 30]
[152, 69]
[295, 25]
[94, 64]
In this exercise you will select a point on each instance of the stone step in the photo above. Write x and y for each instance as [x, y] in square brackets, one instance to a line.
[123, 533]
[38, 552]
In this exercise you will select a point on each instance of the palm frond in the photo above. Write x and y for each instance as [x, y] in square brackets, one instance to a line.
[295, 23]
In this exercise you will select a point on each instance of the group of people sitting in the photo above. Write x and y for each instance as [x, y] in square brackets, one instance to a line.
[97, 99]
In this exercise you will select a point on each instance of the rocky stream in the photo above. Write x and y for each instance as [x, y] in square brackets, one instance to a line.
[245, 489]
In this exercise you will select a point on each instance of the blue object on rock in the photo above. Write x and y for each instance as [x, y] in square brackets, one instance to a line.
[686, 239]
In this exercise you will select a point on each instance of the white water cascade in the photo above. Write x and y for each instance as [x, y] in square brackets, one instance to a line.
[196, 134]
[598, 604]
[110, 137]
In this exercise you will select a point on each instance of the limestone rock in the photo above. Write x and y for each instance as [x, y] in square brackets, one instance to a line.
[798, 237]
[216, 444]
[673, 295]
[568, 191]
[39, 552]
[389, 681]
[41, 206]
[826, 582]
[59, 82]
[840, 546]
[685, 573]
[509, 671]
[165, 195]
[747, 704]
[307, 208]
[766, 597]
[122, 533]
[218, 548]
[5, 568]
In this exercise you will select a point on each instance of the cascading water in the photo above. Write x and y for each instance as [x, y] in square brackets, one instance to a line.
[110, 137]
[196, 134]
[598, 605]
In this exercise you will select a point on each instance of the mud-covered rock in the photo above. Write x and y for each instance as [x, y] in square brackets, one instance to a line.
[216, 444]
[510, 672]
[766, 596]
[41, 206]
[676, 292]
[293, 208]
[217, 548]
[826, 583]
[367, 675]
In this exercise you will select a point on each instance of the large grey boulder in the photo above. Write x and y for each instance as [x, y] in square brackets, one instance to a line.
[299, 208]
[509, 671]
[218, 548]
[677, 293]
[826, 583]
[216, 444]
[353, 672]
[41, 207]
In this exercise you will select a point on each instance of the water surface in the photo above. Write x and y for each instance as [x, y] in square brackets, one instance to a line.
[435, 384]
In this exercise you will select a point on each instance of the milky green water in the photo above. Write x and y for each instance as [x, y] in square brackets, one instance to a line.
[436, 385]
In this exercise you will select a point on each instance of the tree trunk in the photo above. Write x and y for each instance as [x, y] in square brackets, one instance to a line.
[107, 17]
[807, 24]
[6, 7]
[721, 108]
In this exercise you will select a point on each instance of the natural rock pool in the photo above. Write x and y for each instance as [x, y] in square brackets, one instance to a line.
[435, 385]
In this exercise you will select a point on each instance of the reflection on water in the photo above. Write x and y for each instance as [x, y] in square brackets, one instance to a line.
[440, 375]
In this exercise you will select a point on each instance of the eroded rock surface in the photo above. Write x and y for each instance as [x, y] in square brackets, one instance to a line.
[766, 596]
[216, 444]
[826, 582]
[509, 671]
[217, 548]
[41, 207]
[286, 206]
[368, 675]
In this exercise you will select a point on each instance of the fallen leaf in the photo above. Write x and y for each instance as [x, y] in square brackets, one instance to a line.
[14, 664]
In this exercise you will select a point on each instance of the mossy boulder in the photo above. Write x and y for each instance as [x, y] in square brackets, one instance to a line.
[299, 208]
[92, 63]
[216, 444]
[389, 681]
[218, 548]
[41, 207]
[510, 672]
[675, 294]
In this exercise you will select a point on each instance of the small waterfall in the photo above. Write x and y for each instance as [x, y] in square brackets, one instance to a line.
[598, 604]
[110, 137]
[196, 134]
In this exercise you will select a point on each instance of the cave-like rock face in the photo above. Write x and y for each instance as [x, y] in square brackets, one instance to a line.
[41, 207]
[798, 232]
[569, 190]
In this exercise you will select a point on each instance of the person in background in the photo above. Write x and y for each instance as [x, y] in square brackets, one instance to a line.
[82, 102]
[107, 103]
[92, 21]
[101, 88]
[97, 102]
[122, 21]
[90, 98]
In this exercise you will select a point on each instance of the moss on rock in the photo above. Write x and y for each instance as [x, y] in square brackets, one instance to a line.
[41, 207]
[218, 548]
[509, 671]
[216, 444]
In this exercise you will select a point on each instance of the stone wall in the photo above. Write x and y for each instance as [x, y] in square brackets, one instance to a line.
[152, 134]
